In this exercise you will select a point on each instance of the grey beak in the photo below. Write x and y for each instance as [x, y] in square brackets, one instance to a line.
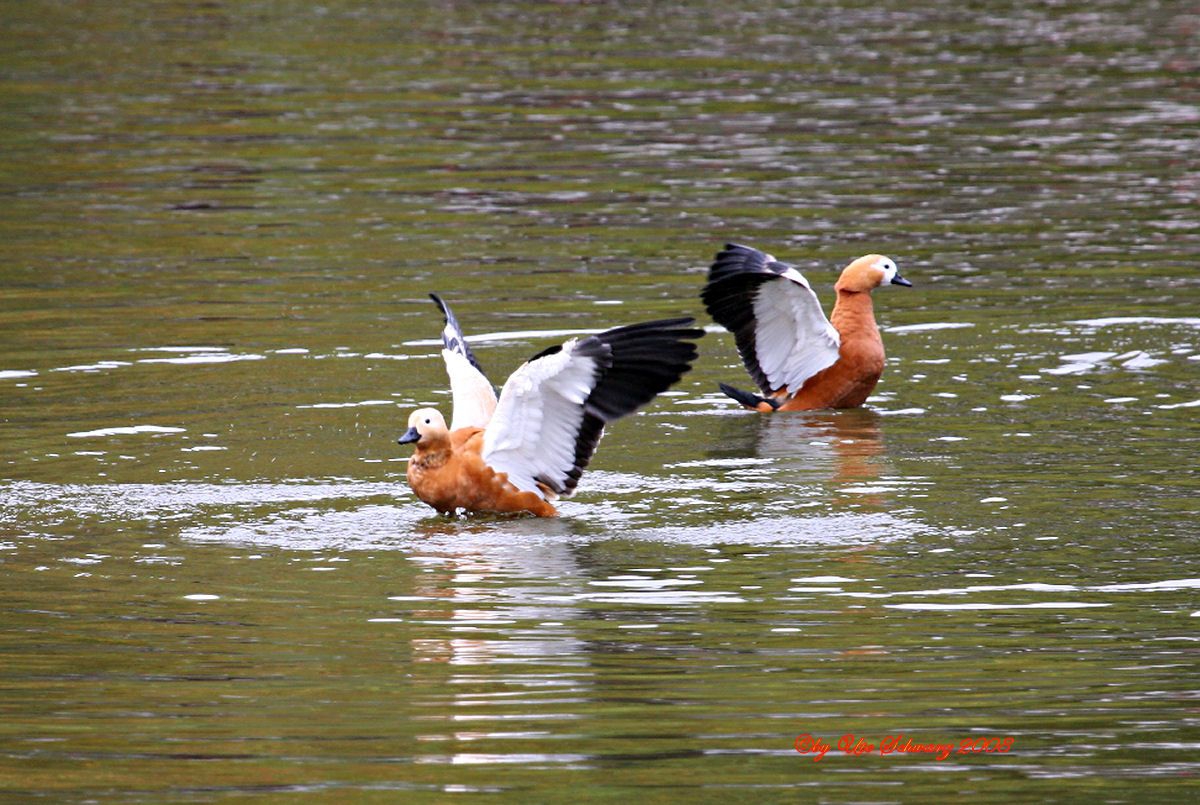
[409, 436]
[899, 280]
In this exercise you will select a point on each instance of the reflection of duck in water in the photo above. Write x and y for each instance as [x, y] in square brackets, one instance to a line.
[799, 359]
[846, 444]
[474, 581]
[521, 451]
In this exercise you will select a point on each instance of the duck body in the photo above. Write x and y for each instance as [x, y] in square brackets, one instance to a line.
[800, 360]
[451, 475]
[852, 378]
[520, 451]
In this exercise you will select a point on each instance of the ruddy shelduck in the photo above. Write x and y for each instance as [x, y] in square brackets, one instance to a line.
[799, 359]
[522, 450]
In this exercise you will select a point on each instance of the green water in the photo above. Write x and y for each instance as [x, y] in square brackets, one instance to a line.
[219, 224]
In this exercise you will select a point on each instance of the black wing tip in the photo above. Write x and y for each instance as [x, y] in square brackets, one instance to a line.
[740, 254]
[730, 246]
[646, 359]
[445, 308]
[746, 398]
[738, 265]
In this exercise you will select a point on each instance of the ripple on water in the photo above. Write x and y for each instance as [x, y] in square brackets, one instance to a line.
[361, 404]
[315, 516]
[1116, 321]
[1172, 406]
[1053, 591]
[972, 606]
[1098, 361]
[125, 431]
[205, 358]
[928, 327]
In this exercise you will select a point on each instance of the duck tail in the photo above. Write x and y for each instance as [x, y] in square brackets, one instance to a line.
[747, 398]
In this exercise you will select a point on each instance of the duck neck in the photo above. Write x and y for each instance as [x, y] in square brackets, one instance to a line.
[854, 315]
[433, 455]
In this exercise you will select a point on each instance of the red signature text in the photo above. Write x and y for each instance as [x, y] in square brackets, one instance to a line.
[901, 744]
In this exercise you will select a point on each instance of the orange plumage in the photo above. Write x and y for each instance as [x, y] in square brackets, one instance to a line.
[448, 472]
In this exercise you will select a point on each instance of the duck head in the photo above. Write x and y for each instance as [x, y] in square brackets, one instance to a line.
[426, 427]
[869, 272]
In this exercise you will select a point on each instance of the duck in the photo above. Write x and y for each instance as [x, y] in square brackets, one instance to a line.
[519, 451]
[799, 359]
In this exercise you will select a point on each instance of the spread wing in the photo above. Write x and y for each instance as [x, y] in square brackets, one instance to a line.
[553, 410]
[474, 397]
[781, 332]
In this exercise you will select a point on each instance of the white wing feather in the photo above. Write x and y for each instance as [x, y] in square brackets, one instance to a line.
[534, 428]
[474, 397]
[793, 339]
